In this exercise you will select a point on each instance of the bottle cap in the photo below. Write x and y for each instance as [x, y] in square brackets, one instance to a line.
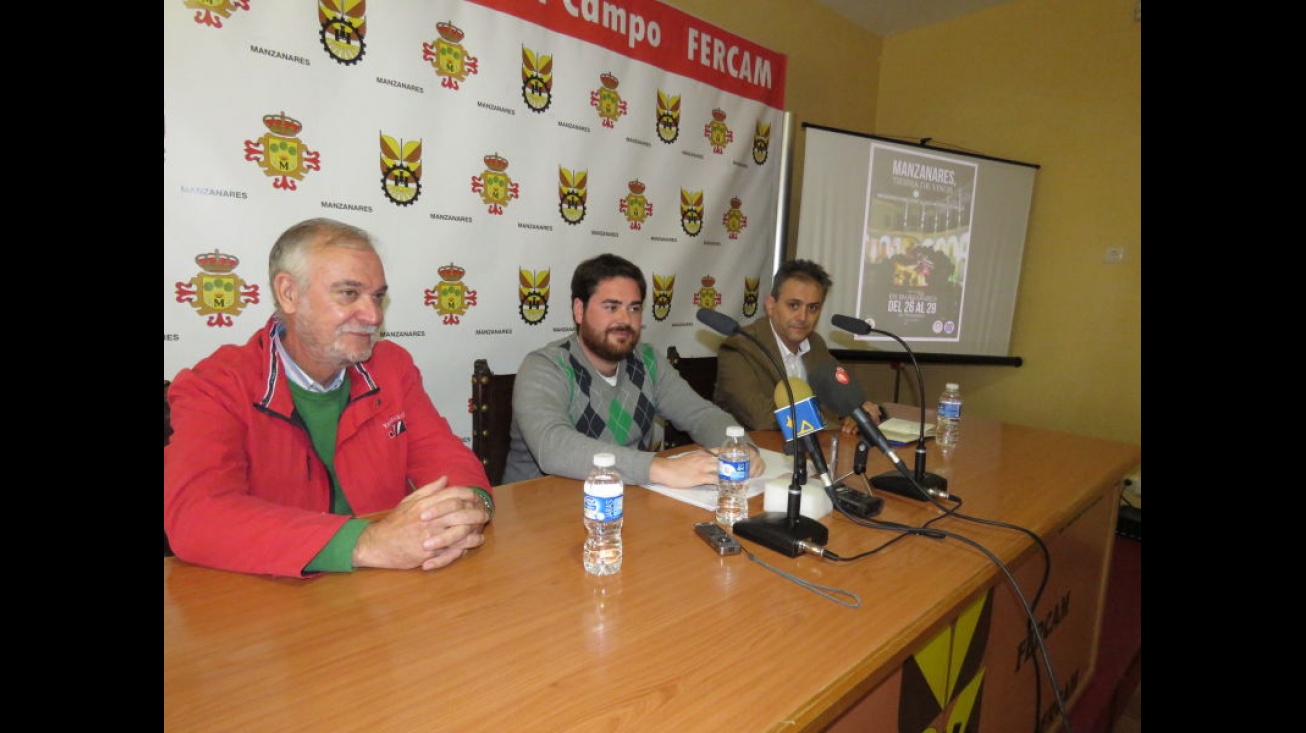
[605, 460]
[734, 431]
[952, 386]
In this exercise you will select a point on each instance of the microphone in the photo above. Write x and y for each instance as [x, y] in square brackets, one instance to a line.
[807, 414]
[719, 322]
[836, 388]
[891, 482]
[808, 411]
[860, 456]
[853, 325]
[788, 533]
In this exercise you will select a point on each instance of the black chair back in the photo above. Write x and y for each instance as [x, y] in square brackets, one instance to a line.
[491, 418]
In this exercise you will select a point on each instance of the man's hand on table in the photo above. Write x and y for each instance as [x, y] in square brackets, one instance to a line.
[696, 468]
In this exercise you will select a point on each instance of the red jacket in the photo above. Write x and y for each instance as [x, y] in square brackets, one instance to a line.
[243, 488]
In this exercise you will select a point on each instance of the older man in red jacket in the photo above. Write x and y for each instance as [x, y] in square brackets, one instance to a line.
[279, 444]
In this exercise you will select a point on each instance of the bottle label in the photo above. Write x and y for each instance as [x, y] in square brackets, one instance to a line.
[948, 408]
[732, 470]
[603, 509]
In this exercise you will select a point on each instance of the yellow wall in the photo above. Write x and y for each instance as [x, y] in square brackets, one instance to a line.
[1049, 82]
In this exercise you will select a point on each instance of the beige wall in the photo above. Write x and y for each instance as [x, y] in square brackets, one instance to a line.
[1049, 82]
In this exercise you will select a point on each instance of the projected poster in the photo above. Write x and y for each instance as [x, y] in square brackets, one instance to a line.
[915, 244]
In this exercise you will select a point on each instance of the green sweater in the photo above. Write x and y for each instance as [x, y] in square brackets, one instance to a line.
[320, 412]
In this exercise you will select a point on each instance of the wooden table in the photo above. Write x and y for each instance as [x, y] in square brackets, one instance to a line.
[517, 637]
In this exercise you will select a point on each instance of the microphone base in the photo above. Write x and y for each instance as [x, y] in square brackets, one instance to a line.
[773, 531]
[896, 483]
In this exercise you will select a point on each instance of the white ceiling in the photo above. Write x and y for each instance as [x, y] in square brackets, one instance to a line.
[887, 17]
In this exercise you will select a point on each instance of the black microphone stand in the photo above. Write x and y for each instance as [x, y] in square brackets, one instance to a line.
[893, 481]
[789, 532]
[800, 464]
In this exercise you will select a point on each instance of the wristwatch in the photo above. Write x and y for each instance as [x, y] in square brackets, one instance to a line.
[486, 499]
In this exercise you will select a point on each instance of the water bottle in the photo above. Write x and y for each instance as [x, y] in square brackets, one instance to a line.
[733, 466]
[603, 512]
[947, 427]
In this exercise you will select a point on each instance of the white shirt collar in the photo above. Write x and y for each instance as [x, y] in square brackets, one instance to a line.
[794, 366]
[297, 375]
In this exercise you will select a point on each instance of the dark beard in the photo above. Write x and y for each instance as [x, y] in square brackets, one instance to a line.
[597, 343]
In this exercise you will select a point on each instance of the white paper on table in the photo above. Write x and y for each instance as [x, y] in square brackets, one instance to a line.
[778, 465]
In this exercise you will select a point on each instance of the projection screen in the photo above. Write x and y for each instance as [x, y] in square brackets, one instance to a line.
[925, 242]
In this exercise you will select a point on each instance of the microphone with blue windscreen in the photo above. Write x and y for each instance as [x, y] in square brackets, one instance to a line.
[805, 416]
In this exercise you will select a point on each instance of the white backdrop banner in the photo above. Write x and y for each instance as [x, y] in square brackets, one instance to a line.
[489, 146]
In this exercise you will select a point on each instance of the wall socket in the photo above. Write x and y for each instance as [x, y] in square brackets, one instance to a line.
[1133, 482]
[1115, 255]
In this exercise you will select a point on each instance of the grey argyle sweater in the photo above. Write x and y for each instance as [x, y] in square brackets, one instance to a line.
[563, 412]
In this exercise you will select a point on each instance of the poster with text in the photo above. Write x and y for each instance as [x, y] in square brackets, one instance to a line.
[912, 275]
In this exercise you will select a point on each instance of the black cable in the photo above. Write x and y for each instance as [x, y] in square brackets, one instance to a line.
[1033, 623]
[926, 530]
[1038, 595]
[905, 530]
[1043, 548]
[952, 512]
[1011, 580]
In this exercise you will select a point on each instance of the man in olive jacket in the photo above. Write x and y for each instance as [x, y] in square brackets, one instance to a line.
[746, 378]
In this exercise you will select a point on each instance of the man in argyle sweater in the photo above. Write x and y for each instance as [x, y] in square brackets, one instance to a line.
[600, 390]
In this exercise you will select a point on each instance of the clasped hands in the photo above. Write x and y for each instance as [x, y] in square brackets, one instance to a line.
[430, 528]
